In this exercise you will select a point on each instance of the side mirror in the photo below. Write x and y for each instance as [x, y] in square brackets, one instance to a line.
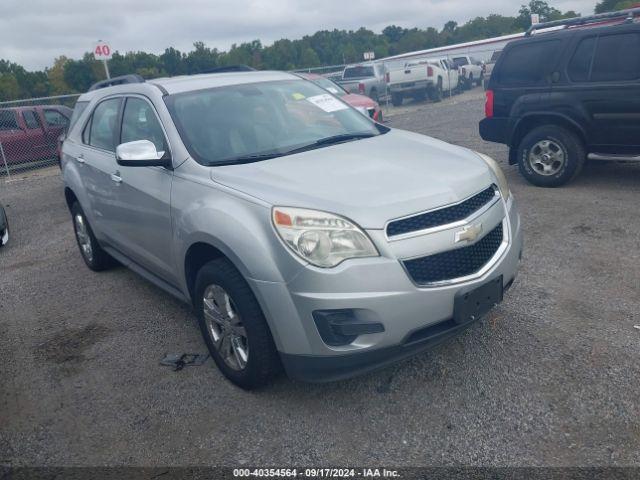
[141, 153]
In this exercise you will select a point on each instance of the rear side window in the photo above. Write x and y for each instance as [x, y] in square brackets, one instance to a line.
[102, 128]
[358, 72]
[529, 63]
[77, 111]
[8, 120]
[616, 58]
[580, 63]
[460, 61]
[55, 118]
[30, 119]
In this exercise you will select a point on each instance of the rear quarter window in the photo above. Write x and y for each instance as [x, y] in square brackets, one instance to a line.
[358, 72]
[528, 63]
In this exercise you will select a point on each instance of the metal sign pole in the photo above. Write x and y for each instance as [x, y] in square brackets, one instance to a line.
[106, 68]
[4, 159]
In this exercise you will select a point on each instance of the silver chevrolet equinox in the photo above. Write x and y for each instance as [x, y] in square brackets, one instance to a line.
[305, 235]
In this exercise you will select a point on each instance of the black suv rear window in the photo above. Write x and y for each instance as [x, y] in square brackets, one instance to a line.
[529, 63]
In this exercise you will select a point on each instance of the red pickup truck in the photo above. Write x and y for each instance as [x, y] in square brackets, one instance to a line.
[30, 134]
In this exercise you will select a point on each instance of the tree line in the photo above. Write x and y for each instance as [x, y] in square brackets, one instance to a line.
[320, 49]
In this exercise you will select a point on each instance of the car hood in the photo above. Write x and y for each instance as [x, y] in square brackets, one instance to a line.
[356, 100]
[369, 181]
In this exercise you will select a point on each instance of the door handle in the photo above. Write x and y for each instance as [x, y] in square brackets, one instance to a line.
[116, 177]
[80, 158]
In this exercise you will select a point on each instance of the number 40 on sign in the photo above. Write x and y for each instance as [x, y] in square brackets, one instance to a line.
[102, 51]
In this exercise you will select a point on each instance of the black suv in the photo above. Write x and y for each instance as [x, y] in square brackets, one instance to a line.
[560, 97]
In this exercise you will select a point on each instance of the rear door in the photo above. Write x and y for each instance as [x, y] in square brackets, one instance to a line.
[34, 140]
[603, 75]
[98, 163]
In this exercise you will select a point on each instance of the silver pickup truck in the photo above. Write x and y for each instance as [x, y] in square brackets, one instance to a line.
[365, 79]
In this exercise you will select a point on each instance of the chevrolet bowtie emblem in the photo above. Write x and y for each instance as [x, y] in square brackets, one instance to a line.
[468, 233]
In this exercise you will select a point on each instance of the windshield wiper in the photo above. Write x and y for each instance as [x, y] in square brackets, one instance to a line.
[248, 159]
[317, 144]
[347, 137]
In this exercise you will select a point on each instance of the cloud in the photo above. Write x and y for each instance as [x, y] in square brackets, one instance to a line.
[34, 32]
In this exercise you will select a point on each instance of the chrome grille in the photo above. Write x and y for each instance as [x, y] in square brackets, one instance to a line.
[442, 216]
[457, 263]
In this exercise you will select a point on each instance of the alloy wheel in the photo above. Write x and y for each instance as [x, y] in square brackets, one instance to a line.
[547, 157]
[82, 234]
[225, 327]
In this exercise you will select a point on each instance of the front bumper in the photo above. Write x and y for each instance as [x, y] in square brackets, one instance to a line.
[380, 291]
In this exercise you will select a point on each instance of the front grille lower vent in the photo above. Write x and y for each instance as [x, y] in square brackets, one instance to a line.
[456, 263]
[443, 216]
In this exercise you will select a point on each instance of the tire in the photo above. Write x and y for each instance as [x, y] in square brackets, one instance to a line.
[435, 94]
[93, 255]
[550, 156]
[245, 330]
[396, 99]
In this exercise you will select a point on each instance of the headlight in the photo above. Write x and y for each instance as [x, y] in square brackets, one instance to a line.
[321, 238]
[503, 185]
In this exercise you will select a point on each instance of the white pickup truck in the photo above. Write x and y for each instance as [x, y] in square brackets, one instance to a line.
[431, 77]
[471, 70]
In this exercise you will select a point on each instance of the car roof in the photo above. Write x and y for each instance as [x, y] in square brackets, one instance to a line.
[590, 29]
[31, 107]
[189, 83]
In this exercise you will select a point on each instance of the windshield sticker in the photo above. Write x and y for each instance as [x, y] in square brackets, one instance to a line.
[332, 90]
[298, 96]
[327, 102]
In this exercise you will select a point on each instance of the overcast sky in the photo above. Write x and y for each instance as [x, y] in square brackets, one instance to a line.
[34, 32]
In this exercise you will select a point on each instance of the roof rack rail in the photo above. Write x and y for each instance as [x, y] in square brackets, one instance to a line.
[230, 68]
[629, 14]
[121, 80]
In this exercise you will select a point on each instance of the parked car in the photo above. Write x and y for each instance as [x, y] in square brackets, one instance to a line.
[29, 134]
[471, 70]
[488, 66]
[561, 97]
[365, 79]
[323, 243]
[364, 104]
[426, 77]
[4, 227]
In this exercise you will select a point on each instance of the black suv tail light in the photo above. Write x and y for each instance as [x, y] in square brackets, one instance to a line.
[488, 104]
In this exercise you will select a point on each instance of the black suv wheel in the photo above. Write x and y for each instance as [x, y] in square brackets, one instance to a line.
[550, 156]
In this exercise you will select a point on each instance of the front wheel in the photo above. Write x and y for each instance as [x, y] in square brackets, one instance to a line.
[234, 327]
[550, 156]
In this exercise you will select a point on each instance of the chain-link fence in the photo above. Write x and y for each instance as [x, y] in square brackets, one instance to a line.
[31, 132]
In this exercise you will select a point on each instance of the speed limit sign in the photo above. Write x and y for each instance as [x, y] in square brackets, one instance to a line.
[102, 51]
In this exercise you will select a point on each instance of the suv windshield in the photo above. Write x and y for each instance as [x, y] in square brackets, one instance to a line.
[258, 121]
[358, 72]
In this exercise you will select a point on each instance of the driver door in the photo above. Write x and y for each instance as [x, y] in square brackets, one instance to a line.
[144, 195]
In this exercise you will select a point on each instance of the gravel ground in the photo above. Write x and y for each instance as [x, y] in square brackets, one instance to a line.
[549, 378]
